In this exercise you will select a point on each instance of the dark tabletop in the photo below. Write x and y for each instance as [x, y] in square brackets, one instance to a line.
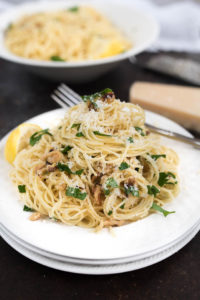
[22, 96]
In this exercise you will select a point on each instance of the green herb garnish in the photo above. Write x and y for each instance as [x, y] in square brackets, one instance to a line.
[156, 156]
[165, 177]
[76, 125]
[122, 206]
[140, 131]
[130, 139]
[153, 190]
[131, 190]
[106, 192]
[110, 212]
[22, 188]
[37, 136]
[76, 193]
[73, 9]
[123, 166]
[66, 149]
[110, 182]
[160, 209]
[93, 97]
[79, 134]
[101, 134]
[26, 208]
[65, 168]
[56, 58]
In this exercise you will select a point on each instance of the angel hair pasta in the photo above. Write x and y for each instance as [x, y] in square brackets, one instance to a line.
[99, 167]
[72, 34]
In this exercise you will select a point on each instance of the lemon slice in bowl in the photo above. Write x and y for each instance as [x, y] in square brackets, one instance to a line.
[18, 140]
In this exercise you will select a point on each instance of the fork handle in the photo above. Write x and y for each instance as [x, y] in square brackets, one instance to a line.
[174, 135]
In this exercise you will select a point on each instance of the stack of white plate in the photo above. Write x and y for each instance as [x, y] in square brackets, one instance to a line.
[126, 248]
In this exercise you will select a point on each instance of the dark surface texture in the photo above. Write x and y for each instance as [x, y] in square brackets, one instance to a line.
[22, 96]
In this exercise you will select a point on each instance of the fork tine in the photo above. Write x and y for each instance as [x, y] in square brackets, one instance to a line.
[60, 102]
[64, 98]
[71, 92]
[68, 96]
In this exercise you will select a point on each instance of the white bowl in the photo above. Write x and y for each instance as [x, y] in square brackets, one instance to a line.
[139, 28]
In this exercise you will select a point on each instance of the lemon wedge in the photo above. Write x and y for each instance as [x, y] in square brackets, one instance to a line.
[18, 140]
[114, 48]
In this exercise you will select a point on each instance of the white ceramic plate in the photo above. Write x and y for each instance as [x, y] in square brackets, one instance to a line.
[98, 269]
[141, 30]
[135, 239]
[95, 262]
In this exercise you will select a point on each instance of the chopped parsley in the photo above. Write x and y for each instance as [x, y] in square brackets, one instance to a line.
[122, 206]
[110, 182]
[160, 209]
[101, 134]
[73, 9]
[56, 58]
[76, 125]
[130, 139]
[106, 192]
[156, 156]
[79, 134]
[66, 149]
[93, 97]
[75, 193]
[65, 168]
[22, 188]
[153, 190]
[110, 212]
[123, 166]
[37, 136]
[140, 131]
[131, 190]
[26, 208]
[165, 177]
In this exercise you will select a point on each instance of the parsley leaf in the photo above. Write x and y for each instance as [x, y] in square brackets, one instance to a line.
[131, 190]
[165, 177]
[110, 212]
[122, 206]
[79, 134]
[101, 134]
[56, 58]
[65, 168]
[73, 9]
[153, 190]
[123, 166]
[93, 97]
[140, 131]
[110, 182]
[37, 136]
[130, 139]
[160, 209]
[22, 188]
[66, 149]
[156, 156]
[76, 125]
[106, 192]
[26, 208]
[75, 193]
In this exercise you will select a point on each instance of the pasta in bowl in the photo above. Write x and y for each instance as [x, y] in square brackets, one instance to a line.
[75, 34]
[100, 167]
[112, 33]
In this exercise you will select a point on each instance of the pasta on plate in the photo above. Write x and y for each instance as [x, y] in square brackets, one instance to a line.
[99, 167]
[74, 34]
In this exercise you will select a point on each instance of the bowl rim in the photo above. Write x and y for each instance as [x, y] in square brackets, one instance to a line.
[7, 55]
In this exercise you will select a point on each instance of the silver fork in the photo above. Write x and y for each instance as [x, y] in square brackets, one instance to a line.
[66, 97]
